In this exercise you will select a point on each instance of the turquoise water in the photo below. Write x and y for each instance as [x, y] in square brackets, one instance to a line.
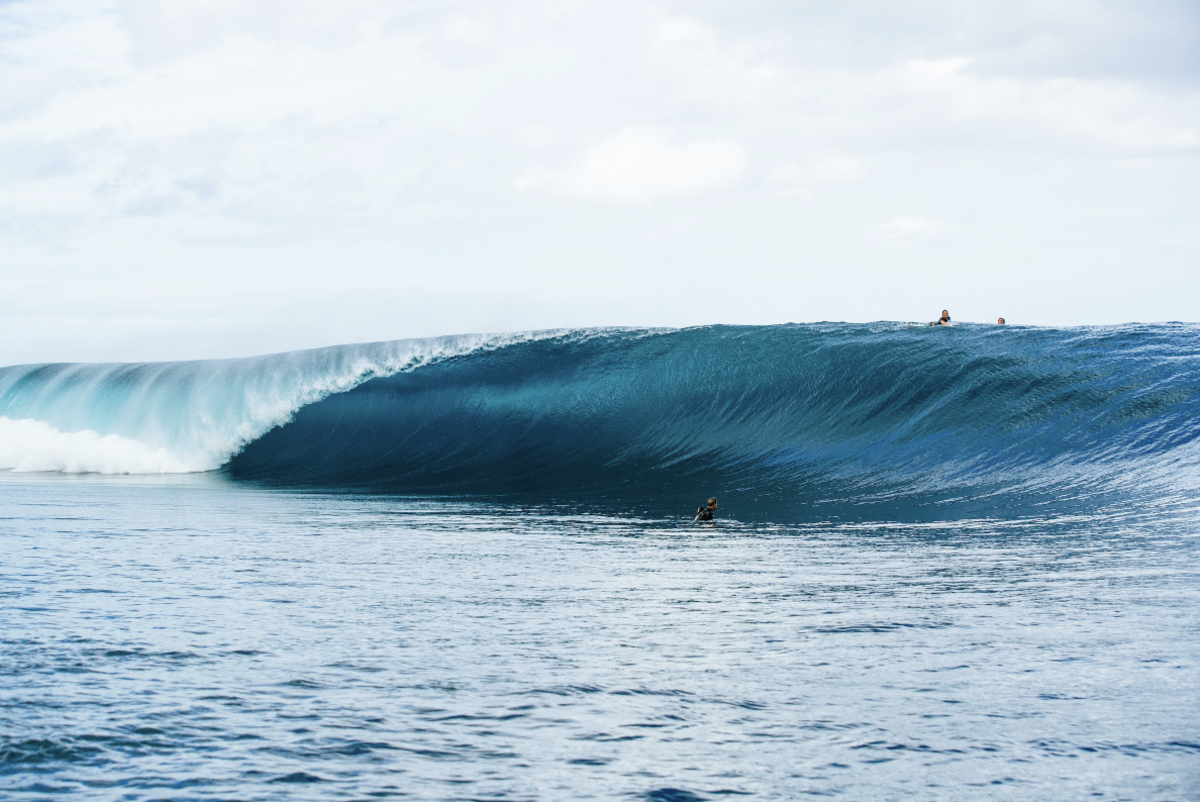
[948, 564]
[189, 637]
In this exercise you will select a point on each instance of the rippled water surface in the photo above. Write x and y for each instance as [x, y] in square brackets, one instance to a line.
[193, 639]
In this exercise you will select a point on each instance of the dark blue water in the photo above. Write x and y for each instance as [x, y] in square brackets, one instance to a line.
[888, 419]
[789, 423]
[191, 638]
[948, 564]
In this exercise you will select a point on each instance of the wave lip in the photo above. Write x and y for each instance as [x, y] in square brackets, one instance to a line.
[779, 416]
[176, 417]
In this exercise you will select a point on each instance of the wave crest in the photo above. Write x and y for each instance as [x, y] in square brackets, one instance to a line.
[192, 416]
[779, 417]
[782, 415]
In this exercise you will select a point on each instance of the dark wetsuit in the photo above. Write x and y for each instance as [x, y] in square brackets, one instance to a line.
[704, 514]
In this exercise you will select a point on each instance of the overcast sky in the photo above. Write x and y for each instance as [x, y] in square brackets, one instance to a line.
[203, 178]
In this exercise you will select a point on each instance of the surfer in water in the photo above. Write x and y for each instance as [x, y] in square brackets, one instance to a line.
[944, 320]
[999, 321]
[706, 513]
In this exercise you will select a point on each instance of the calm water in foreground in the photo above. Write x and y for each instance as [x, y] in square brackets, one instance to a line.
[192, 639]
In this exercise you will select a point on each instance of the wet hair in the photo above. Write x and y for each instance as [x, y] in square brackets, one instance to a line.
[712, 500]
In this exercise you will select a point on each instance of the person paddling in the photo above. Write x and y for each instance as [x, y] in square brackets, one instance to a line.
[944, 320]
[706, 513]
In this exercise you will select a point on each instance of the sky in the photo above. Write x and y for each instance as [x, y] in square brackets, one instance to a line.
[184, 179]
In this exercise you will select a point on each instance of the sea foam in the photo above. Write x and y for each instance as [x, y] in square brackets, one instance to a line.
[174, 417]
[31, 445]
[788, 416]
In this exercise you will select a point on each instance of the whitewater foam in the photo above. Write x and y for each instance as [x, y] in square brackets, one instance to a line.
[779, 418]
[790, 417]
[177, 417]
[30, 445]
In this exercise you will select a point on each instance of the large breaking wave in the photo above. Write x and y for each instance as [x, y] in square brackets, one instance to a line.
[181, 417]
[780, 419]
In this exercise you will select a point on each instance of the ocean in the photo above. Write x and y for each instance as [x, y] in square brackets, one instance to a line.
[946, 564]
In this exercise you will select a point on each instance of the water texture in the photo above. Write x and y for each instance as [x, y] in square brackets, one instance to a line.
[890, 418]
[948, 564]
[188, 639]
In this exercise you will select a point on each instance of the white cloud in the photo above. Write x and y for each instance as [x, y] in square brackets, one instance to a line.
[717, 70]
[1113, 115]
[640, 164]
[243, 82]
[827, 168]
[467, 30]
[912, 224]
[911, 228]
[537, 136]
[182, 160]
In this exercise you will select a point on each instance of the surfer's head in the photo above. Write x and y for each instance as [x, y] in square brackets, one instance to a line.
[945, 314]
[712, 503]
[999, 321]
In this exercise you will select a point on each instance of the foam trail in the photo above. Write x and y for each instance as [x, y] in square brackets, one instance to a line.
[30, 445]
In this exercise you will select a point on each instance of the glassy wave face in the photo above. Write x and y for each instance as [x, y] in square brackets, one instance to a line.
[781, 422]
